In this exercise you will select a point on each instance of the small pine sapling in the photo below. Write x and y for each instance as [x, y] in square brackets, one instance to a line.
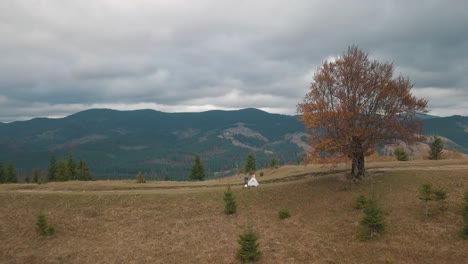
[426, 195]
[273, 164]
[140, 178]
[42, 227]
[36, 176]
[230, 205]
[360, 202]
[465, 217]
[249, 247]
[198, 170]
[283, 214]
[436, 148]
[373, 220]
[400, 154]
[440, 196]
[250, 164]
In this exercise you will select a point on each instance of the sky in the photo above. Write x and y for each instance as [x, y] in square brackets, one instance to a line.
[58, 57]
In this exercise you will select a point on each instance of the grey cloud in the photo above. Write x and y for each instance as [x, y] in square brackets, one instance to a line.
[62, 56]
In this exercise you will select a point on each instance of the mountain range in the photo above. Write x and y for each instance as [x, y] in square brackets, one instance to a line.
[119, 144]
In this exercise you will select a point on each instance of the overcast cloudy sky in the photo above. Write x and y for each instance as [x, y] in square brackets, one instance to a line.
[59, 57]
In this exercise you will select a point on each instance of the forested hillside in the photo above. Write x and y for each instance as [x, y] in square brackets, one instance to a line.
[119, 144]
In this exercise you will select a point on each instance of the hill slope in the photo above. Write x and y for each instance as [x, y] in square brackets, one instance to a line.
[121, 143]
[183, 222]
[118, 144]
[454, 128]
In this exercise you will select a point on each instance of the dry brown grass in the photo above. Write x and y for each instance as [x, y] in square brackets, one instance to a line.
[169, 222]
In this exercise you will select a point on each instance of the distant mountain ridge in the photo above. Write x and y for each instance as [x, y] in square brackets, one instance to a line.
[121, 143]
[118, 144]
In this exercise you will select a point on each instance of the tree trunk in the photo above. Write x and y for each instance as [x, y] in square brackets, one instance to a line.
[358, 169]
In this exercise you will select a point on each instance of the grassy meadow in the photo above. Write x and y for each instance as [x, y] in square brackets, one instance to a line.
[183, 222]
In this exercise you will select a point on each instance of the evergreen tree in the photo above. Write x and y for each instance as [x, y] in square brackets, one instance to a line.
[273, 163]
[62, 173]
[11, 173]
[2, 173]
[400, 154]
[42, 227]
[250, 164]
[248, 250]
[436, 148]
[373, 219]
[198, 171]
[426, 195]
[230, 205]
[71, 165]
[52, 169]
[83, 171]
[465, 217]
[440, 195]
[140, 178]
[36, 176]
[360, 202]
[284, 213]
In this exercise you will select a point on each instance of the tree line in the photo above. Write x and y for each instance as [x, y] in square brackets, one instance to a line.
[198, 170]
[8, 175]
[64, 169]
[67, 169]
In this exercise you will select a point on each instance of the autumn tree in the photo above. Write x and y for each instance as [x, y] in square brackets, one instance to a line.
[356, 103]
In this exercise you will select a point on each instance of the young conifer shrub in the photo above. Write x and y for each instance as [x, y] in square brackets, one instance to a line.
[283, 214]
[373, 220]
[248, 246]
[440, 196]
[42, 227]
[464, 232]
[426, 195]
[140, 178]
[436, 148]
[230, 205]
[400, 154]
[360, 202]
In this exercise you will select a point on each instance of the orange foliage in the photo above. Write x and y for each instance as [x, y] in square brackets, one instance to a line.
[354, 104]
